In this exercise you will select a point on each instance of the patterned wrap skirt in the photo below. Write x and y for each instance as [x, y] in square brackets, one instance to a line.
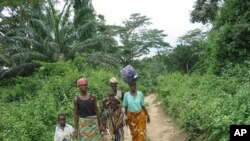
[116, 120]
[88, 129]
[137, 125]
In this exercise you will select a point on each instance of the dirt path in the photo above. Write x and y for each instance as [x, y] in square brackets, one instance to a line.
[162, 126]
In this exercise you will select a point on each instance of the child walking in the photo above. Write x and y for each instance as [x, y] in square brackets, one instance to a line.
[64, 131]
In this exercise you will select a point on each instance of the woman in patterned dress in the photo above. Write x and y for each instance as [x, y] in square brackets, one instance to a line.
[86, 114]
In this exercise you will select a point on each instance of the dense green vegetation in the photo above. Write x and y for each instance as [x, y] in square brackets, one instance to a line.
[206, 105]
[30, 104]
[208, 86]
[203, 82]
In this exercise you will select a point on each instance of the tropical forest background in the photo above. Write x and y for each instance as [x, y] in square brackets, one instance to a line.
[203, 81]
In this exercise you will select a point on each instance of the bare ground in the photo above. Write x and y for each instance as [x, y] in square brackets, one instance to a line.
[162, 127]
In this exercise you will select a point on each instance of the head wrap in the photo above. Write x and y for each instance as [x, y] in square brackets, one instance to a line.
[82, 81]
[113, 80]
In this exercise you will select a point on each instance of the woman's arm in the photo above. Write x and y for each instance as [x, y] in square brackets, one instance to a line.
[76, 116]
[146, 112]
[126, 112]
[122, 94]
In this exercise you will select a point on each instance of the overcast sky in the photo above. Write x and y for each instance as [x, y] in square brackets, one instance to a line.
[172, 16]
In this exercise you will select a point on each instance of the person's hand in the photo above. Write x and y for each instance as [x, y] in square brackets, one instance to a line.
[126, 122]
[101, 128]
[115, 130]
[75, 133]
[148, 119]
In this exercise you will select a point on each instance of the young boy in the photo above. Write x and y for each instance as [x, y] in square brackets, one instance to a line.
[104, 130]
[64, 131]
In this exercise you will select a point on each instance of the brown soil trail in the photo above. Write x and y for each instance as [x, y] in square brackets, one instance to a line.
[162, 127]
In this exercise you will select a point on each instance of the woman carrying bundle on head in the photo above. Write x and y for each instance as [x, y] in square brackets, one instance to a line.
[137, 115]
[133, 101]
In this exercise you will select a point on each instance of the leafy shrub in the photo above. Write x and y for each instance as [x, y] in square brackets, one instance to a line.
[206, 105]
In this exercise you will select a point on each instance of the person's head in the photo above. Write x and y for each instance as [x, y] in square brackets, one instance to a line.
[104, 120]
[61, 119]
[111, 93]
[132, 86]
[113, 83]
[115, 103]
[82, 84]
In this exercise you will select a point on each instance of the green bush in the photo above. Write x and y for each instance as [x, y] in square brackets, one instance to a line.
[206, 105]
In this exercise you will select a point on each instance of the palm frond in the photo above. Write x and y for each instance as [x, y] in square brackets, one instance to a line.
[83, 14]
[15, 49]
[105, 39]
[81, 47]
[51, 46]
[22, 69]
[103, 59]
[41, 25]
[52, 19]
[28, 40]
[67, 34]
[5, 59]
[18, 30]
[64, 16]
[86, 30]
[28, 56]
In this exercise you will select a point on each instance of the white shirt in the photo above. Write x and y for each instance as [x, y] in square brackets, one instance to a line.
[119, 94]
[64, 135]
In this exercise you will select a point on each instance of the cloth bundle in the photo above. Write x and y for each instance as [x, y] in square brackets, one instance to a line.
[129, 74]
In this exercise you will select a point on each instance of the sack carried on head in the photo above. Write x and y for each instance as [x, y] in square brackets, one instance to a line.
[129, 74]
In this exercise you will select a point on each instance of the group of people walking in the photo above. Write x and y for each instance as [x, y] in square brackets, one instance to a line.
[92, 123]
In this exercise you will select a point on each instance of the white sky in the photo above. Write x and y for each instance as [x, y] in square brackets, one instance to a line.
[172, 16]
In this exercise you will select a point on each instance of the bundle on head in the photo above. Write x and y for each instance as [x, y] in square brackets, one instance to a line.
[129, 74]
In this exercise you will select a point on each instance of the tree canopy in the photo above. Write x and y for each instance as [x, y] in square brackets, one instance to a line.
[136, 39]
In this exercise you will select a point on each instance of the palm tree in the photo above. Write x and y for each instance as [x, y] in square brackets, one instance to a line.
[46, 34]
[37, 34]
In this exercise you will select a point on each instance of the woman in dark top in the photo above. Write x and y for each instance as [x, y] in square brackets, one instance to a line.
[87, 121]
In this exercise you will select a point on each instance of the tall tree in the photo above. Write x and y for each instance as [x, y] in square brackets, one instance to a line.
[136, 38]
[189, 53]
[17, 3]
[16, 46]
[229, 38]
[84, 18]
[205, 11]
